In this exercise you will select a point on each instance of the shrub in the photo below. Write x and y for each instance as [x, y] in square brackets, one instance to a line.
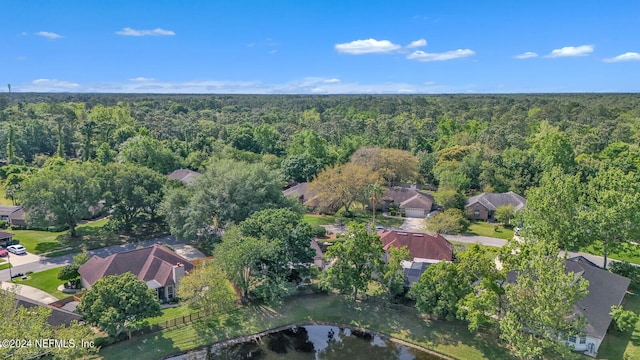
[3, 224]
[318, 231]
[450, 221]
[627, 270]
[624, 320]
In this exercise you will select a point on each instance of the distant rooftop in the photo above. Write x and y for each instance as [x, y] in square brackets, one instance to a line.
[185, 175]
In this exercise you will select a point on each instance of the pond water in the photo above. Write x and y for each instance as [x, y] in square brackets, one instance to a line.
[317, 342]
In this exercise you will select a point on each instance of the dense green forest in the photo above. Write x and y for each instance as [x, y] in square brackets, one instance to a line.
[502, 142]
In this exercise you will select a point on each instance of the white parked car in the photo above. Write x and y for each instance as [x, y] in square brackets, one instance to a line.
[17, 249]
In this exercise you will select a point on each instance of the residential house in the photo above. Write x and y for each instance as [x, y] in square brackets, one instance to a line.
[425, 250]
[6, 238]
[301, 192]
[58, 317]
[12, 215]
[410, 200]
[605, 290]
[158, 266]
[483, 206]
[185, 175]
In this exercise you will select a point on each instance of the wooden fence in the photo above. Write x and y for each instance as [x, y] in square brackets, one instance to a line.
[180, 320]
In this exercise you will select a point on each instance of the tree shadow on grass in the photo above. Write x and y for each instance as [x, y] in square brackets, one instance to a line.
[151, 346]
[44, 247]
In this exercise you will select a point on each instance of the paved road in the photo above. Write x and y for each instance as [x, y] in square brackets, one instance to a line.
[50, 263]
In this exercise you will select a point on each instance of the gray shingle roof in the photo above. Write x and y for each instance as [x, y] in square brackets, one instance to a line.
[605, 289]
[58, 316]
[8, 210]
[409, 198]
[5, 235]
[185, 175]
[492, 201]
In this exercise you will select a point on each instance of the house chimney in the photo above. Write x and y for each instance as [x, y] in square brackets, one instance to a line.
[178, 272]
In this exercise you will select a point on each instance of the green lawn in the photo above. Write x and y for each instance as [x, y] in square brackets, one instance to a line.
[459, 247]
[171, 313]
[46, 281]
[482, 228]
[628, 252]
[358, 216]
[319, 219]
[3, 200]
[91, 235]
[38, 242]
[404, 323]
[618, 345]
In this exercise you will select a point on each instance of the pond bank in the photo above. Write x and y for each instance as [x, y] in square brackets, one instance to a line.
[256, 338]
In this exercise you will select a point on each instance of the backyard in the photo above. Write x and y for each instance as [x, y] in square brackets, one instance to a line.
[401, 322]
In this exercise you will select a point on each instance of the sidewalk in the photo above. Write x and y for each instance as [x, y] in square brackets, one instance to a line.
[29, 292]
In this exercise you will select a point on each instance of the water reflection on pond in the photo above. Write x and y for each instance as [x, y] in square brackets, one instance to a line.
[320, 342]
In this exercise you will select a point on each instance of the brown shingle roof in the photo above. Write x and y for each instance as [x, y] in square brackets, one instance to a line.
[5, 235]
[151, 263]
[420, 245]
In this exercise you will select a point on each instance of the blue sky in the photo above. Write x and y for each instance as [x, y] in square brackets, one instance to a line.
[319, 47]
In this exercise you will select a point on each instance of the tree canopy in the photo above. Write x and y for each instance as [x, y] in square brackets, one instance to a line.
[118, 302]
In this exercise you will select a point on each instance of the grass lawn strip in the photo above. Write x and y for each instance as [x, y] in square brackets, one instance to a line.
[46, 281]
[3, 200]
[452, 339]
[627, 252]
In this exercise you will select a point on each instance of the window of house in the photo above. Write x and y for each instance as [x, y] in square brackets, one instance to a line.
[583, 340]
[572, 339]
[476, 212]
[170, 292]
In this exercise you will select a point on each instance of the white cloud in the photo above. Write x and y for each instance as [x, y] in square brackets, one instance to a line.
[24, 33]
[417, 44]
[369, 46]
[443, 56]
[308, 85]
[140, 78]
[571, 51]
[155, 32]
[628, 56]
[48, 35]
[21, 58]
[527, 55]
[50, 85]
